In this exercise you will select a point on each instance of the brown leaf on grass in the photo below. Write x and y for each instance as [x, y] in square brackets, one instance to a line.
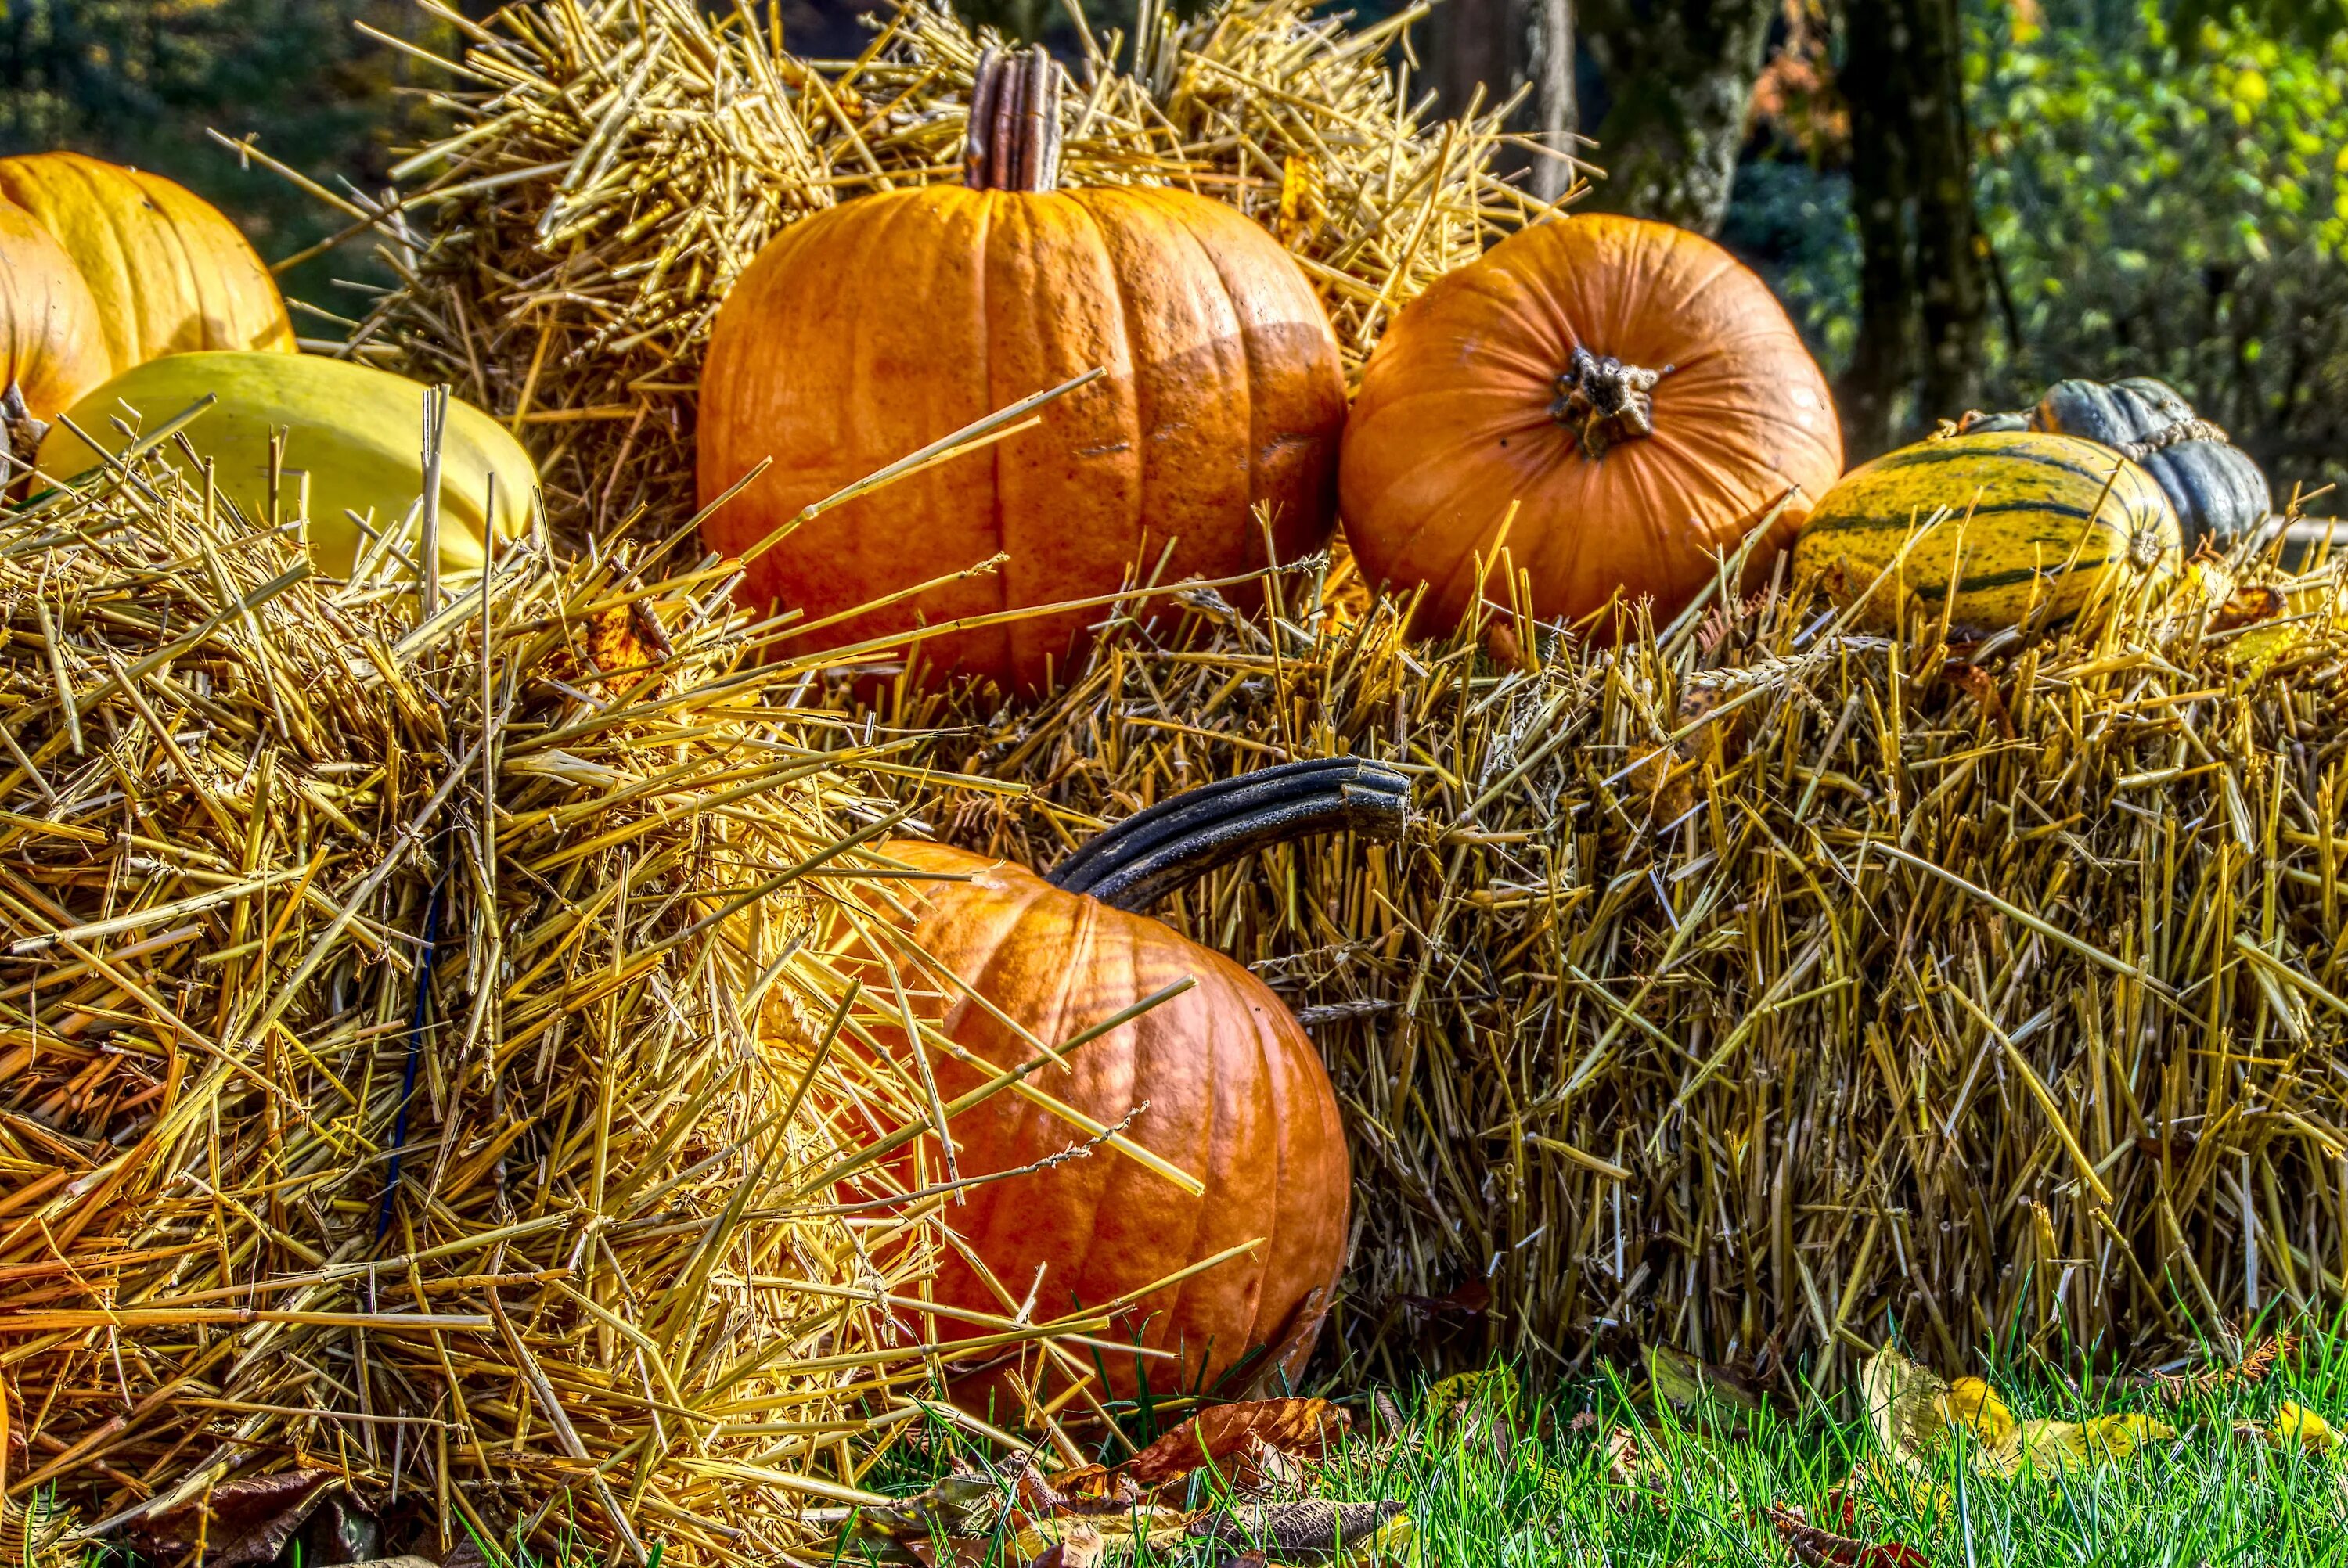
[1310, 1531]
[1079, 1546]
[1810, 1545]
[2247, 1373]
[1300, 1428]
[959, 1505]
[1090, 1489]
[239, 1522]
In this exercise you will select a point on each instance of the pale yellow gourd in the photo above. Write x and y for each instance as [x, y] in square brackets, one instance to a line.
[353, 443]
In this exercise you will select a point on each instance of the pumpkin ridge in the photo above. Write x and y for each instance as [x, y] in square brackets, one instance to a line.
[1144, 390]
[1273, 1075]
[1008, 632]
[1083, 946]
[1178, 216]
[118, 254]
[1165, 1331]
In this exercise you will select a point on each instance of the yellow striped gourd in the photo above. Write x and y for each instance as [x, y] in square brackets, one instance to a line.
[2014, 524]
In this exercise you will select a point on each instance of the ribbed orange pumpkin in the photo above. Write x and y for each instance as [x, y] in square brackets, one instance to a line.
[52, 347]
[171, 274]
[1636, 394]
[867, 332]
[1220, 1081]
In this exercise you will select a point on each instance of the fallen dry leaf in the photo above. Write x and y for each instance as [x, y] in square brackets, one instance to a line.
[1917, 1416]
[1311, 1531]
[1300, 1429]
[1809, 1543]
[1882, 1486]
[1686, 1383]
[2247, 1373]
[1080, 1546]
[2246, 606]
[2295, 1425]
[238, 1521]
[1136, 1536]
[1972, 1406]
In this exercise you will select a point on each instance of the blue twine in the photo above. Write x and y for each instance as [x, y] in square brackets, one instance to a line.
[414, 1045]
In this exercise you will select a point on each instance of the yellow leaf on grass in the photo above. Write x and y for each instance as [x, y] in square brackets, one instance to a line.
[2296, 1424]
[1395, 1546]
[1972, 1406]
[1918, 1417]
[2120, 1436]
[2062, 1448]
[1905, 1402]
[1499, 1385]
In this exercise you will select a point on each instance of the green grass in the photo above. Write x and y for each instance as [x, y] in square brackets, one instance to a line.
[1526, 1482]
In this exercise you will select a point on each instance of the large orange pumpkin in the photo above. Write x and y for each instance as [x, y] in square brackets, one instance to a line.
[52, 348]
[1220, 1081]
[1633, 391]
[171, 274]
[869, 331]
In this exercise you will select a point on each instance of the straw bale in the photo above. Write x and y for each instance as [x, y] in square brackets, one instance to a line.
[424, 1066]
[1765, 989]
[615, 165]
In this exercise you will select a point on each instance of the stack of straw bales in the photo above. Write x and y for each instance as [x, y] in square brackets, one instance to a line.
[423, 1067]
[1765, 989]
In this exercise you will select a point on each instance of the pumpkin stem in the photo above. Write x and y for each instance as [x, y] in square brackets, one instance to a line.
[1605, 401]
[24, 432]
[1156, 852]
[1015, 122]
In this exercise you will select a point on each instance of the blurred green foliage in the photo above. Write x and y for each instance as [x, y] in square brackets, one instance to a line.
[139, 81]
[2175, 207]
[2158, 202]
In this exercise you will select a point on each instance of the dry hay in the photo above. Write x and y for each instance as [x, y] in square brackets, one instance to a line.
[617, 165]
[1757, 987]
[422, 1068]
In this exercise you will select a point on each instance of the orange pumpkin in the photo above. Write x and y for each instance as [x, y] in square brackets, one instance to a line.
[52, 348]
[871, 330]
[1219, 1081]
[1635, 393]
[171, 274]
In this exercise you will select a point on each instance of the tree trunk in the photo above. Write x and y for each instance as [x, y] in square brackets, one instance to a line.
[1876, 392]
[1500, 46]
[1555, 105]
[1923, 283]
[1679, 82]
[1949, 252]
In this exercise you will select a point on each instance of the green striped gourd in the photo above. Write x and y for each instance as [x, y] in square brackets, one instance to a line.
[2014, 524]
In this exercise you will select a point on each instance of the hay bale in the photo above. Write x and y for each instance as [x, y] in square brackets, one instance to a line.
[424, 1069]
[1760, 988]
[616, 166]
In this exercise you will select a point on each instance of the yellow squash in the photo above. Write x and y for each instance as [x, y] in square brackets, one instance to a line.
[170, 274]
[2013, 524]
[353, 434]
